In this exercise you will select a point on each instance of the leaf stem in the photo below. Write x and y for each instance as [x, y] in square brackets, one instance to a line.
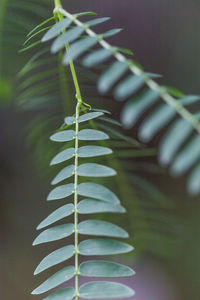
[78, 106]
[58, 4]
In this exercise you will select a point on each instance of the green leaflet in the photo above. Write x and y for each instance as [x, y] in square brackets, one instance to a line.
[92, 135]
[63, 136]
[101, 228]
[134, 108]
[187, 157]
[89, 189]
[174, 138]
[55, 233]
[97, 21]
[95, 170]
[129, 86]
[66, 38]
[60, 213]
[55, 280]
[61, 192]
[90, 206]
[89, 116]
[93, 151]
[63, 174]
[55, 258]
[105, 290]
[56, 29]
[99, 268]
[78, 48]
[111, 32]
[112, 75]
[156, 121]
[97, 57]
[62, 156]
[67, 294]
[103, 247]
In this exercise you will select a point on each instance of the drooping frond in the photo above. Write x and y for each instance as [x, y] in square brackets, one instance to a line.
[96, 199]
[124, 86]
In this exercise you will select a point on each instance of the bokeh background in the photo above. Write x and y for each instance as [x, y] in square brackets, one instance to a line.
[164, 37]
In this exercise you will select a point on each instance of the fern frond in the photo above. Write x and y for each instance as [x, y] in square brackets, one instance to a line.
[97, 199]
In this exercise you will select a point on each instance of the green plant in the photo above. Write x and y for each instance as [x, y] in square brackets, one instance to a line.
[72, 42]
[100, 199]
[149, 92]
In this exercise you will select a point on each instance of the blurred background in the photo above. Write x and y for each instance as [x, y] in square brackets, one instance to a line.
[162, 219]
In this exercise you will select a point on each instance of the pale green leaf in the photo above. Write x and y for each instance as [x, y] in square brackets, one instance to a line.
[85, 13]
[67, 294]
[66, 38]
[63, 156]
[105, 290]
[90, 189]
[63, 136]
[129, 86]
[160, 117]
[95, 170]
[55, 233]
[97, 21]
[103, 247]
[97, 57]
[99, 268]
[90, 206]
[56, 29]
[92, 135]
[101, 228]
[78, 48]
[61, 192]
[93, 151]
[176, 135]
[89, 116]
[55, 258]
[60, 213]
[134, 108]
[63, 174]
[187, 157]
[58, 278]
[111, 32]
[112, 75]
[70, 120]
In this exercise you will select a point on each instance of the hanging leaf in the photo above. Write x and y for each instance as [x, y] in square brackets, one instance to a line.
[99, 268]
[101, 228]
[103, 247]
[55, 233]
[59, 214]
[55, 258]
[90, 206]
[95, 170]
[55, 280]
[61, 192]
[93, 151]
[105, 290]
[89, 189]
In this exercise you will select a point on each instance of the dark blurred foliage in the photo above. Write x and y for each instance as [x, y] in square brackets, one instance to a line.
[164, 38]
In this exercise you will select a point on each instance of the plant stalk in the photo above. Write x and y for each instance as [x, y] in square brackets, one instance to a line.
[58, 4]
[78, 106]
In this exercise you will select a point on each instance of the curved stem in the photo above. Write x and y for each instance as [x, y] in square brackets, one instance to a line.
[58, 4]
